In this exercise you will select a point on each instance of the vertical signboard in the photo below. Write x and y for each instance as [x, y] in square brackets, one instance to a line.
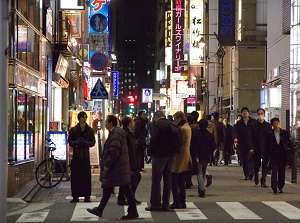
[115, 80]
[177, 34]
[168, 33]
[99, 26]
[226, 29]
[61, 142]
[196, 30]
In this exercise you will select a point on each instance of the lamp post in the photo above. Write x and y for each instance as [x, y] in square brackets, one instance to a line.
[220, 54]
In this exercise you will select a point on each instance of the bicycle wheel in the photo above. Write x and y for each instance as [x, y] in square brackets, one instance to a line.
[49, 173]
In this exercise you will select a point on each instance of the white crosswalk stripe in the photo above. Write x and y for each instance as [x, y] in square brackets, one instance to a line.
[234, 210]
[190, 213]
[80, 213]
[284, 208]
[237, 210]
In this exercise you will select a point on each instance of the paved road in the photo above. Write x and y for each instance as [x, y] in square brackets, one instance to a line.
[228, 199]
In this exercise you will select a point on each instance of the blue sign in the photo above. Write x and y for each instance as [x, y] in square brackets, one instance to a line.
[115, 84]
[99, 19]
[99, 91]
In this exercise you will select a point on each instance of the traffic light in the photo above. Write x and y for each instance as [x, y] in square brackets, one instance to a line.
[130, 99]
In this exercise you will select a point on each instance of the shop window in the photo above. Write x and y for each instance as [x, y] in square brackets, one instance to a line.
[24, 134]
[27, 46]
[30, 9]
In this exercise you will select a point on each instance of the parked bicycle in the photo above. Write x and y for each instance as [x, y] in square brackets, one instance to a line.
[50, 171]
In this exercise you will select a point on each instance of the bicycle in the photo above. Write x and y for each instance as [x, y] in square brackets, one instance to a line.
[50, 171]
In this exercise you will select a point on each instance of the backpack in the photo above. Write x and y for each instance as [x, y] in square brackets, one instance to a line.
[176, 138]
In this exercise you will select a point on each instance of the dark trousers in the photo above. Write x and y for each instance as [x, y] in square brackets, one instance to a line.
[178, 188]
[264, 171]
[278, 176]
[247, 162]
[128, 194]
[161, 168]
[135, 178]
[140, 151]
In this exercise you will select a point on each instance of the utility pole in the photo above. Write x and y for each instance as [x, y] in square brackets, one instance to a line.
[3, 114]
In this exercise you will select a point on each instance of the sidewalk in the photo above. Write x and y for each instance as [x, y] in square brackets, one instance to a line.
[228, 185]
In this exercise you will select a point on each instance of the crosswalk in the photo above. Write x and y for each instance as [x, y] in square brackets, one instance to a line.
[273, 211]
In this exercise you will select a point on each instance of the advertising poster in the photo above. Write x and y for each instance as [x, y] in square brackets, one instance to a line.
[74, 120]
[61, 142]
[23, 144]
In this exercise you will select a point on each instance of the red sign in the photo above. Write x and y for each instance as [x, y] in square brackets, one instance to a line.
[98, 4]
[99, 61]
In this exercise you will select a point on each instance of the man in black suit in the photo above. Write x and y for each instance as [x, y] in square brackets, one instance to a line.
[277, 144]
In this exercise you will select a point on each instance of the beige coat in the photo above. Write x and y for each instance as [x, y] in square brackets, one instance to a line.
[183, 159]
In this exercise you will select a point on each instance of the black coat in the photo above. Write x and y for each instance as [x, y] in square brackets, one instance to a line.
[228, 137]
[160, 141]
[81, 141]
[115, 157]
[203, 143]
[140, 131]
[80, 164]
[275, 153]
[131, 150]
[243, 133]
[259, 133]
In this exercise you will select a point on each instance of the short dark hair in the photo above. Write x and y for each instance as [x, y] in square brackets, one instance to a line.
[159, 114]
[81, 114]
[274, 120]
[203, 124]
[215, 115]
[195, 114]
[126, 121]
[208, 117]
[244, 108]
[141, 112]
[261, 109]
[190, 119]
[113, 119]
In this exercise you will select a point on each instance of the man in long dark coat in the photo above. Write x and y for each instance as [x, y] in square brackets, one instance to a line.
[81, 138]
[115, 169]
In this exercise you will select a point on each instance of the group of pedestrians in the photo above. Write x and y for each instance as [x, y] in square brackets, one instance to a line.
[261, 145]
[201, 144]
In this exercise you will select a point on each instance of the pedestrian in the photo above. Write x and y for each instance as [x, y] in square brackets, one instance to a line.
[135, 175]
[203, 142]
[227, 141]
[120, 118]
[260, 129]
[192, 121]
[218, 138]
[277, 144]
[243, 136]
[140, 134]
[181, 164]
[81, 138]
[97, 127]
[162, 154]
[115, 169]
[212, 129]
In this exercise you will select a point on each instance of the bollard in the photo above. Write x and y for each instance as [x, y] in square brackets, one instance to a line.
[294, 165]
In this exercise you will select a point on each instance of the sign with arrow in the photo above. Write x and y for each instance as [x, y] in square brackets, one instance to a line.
[99, 91]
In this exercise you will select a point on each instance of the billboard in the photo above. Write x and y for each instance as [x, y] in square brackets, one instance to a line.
[177, 34]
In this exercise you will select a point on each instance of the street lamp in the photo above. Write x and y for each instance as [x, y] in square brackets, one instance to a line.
[220, 54]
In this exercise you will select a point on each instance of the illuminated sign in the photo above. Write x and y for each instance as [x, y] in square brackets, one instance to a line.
[147, 94]
[177, 34]
[74, 19]
[168, 32]
[196, 31]
[61, 142]
[23, 139]
[181, 88]
[226, 28]
[115, 80]
[71, 5]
